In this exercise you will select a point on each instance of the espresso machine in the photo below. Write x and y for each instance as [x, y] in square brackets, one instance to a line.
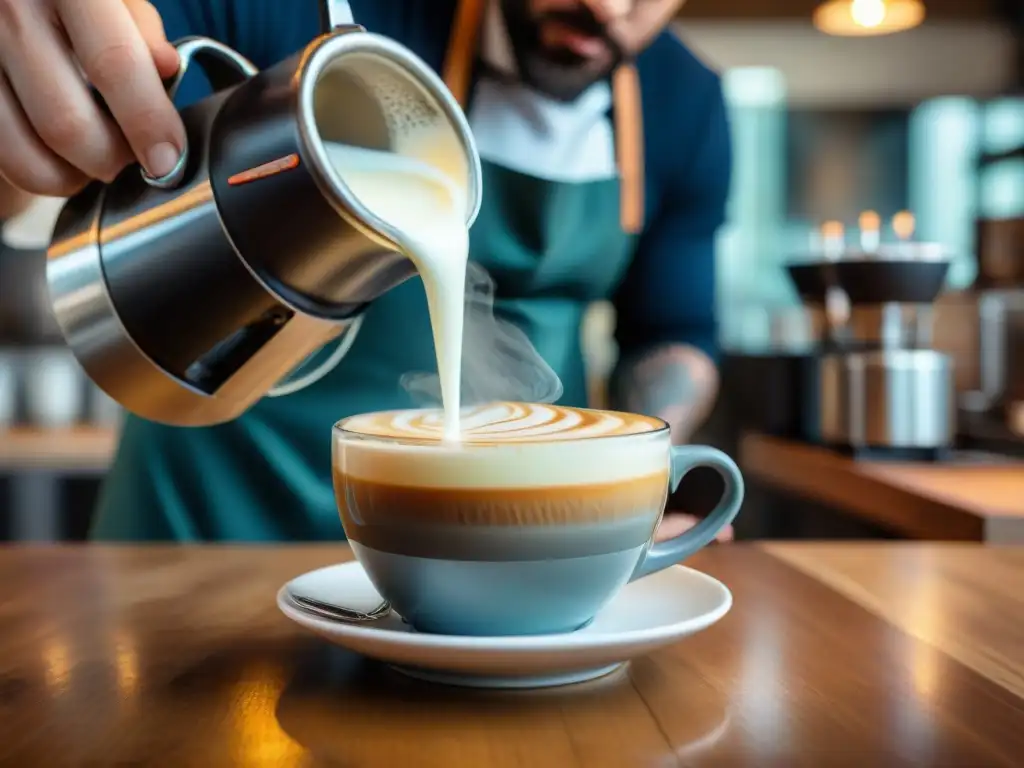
[884, 391]
[188, 298]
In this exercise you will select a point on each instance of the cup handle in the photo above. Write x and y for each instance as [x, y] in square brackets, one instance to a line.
[685, 458]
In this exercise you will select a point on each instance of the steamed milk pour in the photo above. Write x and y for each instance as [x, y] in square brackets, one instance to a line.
[425, 206]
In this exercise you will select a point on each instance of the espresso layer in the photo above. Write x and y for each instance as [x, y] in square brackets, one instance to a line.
[365, 503]
[503, 422]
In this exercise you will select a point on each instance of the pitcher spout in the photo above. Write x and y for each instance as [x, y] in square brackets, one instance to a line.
[287, 206]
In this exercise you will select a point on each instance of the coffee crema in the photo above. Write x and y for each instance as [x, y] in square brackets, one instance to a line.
[364, 503]
[505, 422]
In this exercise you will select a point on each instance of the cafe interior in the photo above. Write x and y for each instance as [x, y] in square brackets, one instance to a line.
[870, 289]
[859, 144]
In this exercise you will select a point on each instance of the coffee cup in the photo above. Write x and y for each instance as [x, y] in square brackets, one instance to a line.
[528, 524]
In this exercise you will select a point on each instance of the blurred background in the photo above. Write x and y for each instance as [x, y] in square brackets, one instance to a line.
[837, 109]
[929, 120]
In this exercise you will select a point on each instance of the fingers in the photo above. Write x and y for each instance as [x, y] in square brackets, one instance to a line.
[13, 200]
[52, 95]
[116, 58]
[674, 524]
[25, 161]
[55, 136]
[151, 27]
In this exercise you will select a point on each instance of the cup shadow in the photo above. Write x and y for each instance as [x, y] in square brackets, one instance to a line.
[349, 710]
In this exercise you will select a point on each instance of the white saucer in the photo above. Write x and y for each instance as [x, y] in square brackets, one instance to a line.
[648, 614]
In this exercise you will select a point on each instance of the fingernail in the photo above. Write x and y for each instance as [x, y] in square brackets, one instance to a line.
[161, 159]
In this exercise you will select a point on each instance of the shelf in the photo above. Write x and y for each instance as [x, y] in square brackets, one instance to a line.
[87, 450]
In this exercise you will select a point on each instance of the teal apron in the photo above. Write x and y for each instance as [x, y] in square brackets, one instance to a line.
[552, 249]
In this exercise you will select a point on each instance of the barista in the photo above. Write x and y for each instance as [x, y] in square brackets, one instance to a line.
[606, 162]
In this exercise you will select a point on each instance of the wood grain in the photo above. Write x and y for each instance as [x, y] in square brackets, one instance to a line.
[988, 491]
[965, 600]
[81, 449]
[177, 656]
[967, 502]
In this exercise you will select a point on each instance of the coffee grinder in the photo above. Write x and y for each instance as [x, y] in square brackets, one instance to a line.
[824, 307]
[884, 392]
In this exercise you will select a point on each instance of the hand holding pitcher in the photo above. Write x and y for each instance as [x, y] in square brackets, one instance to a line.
[56, 138]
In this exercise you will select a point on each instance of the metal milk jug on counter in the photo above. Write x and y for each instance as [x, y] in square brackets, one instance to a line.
[190, 297]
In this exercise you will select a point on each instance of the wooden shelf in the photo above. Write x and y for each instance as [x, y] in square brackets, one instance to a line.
[80, 449]
[977, 499]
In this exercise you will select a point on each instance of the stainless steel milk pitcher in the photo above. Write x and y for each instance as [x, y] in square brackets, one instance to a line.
[188, 298]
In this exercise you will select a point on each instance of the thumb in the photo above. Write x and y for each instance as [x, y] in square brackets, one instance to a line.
[151, 27]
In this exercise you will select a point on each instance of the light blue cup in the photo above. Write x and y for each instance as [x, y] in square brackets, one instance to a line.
[516, 538]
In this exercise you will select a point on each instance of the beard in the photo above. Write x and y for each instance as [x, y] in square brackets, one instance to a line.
[558, 72]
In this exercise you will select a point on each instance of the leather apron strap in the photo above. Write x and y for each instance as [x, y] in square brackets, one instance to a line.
[629, 134]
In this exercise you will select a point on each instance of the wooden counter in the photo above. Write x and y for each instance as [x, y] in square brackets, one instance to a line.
[972, 499]
[962, 599]
[79, 450]
[836, 655]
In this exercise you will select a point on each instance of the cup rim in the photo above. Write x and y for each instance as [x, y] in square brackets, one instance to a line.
[339, 430]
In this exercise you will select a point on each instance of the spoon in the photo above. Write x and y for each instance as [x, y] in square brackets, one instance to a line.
[333, 612]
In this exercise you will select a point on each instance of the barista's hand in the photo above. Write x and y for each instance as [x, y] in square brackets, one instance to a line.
[675, 382]
[55, 137]
[12, 200]
[675, 523]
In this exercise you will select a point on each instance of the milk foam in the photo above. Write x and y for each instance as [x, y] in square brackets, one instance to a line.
[503, 445]
[428, 209]
[504, 423]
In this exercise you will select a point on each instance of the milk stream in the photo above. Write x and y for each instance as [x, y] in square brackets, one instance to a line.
[429, 210]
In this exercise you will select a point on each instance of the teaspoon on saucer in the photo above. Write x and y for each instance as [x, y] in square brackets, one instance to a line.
[337, 612]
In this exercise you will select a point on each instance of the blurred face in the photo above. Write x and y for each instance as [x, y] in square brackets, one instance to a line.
[564, 46]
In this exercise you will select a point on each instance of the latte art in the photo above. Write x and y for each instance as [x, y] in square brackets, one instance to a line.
[503, 423]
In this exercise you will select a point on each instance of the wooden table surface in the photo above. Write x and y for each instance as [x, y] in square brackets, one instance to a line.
[833, 655]
[976, 498]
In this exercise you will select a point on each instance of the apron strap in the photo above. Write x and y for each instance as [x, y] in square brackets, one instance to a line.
[462, 48]
[629, 146]
[627, 107]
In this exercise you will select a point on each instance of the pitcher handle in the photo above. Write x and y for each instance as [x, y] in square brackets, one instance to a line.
[223, 66]
[685, 458]
[334, 14]
[348, 337]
